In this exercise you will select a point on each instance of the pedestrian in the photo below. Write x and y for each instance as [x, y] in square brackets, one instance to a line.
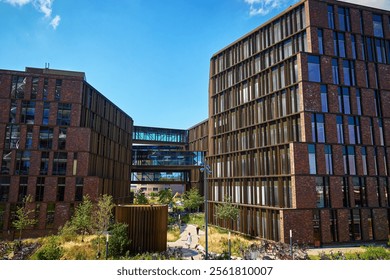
[189, 240]
[197, 230]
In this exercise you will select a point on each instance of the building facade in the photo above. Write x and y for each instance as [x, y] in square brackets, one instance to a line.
[298, 131]
[60, 139]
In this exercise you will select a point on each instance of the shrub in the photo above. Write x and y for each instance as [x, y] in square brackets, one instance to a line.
[375, 253]
[51, 250]
[119, 242]
[68, 232]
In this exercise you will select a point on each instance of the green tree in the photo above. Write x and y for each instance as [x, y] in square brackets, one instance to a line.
[23, 216]
[82, 218]
[227, 212]
[119, 241]
[103, 215]
[140, 198]
[165, 196]
[192, 199]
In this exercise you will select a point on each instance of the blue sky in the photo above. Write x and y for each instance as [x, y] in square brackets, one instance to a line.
[149, 57]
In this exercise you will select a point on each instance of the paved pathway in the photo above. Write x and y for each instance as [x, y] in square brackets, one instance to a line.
[188, 253]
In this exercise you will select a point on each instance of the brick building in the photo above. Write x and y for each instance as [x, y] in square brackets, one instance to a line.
[298, 127]
[60, 139]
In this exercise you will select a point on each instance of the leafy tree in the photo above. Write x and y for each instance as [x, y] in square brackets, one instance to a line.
[227, 211]
[165, 196]
[140, 198]
[23, 215]
[103, 215]
[82, 219]
[192, 199]
[119, 241]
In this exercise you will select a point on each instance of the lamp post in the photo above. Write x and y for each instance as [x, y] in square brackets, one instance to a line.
[107, 237]
[291, 252]
[206, 170]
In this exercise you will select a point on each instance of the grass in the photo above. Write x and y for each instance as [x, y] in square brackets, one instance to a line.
[218, 241]
[173, 234]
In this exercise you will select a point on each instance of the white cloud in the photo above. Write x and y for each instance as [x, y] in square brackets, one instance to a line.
[17, 2]
[263, 7]
[55, 22]
[43, 6]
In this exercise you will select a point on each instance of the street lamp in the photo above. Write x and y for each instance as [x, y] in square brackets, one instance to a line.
[206, 170]
[107, 238]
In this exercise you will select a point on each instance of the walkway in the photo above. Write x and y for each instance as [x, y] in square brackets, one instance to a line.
[190, 253]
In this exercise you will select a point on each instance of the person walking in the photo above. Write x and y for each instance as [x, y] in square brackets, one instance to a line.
[189, 240]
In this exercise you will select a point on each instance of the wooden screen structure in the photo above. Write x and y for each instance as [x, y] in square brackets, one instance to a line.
[147, 226]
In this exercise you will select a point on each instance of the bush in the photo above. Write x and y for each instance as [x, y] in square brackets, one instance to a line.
[68, 232]
[375, 253]
[51, 250]
[119, 242]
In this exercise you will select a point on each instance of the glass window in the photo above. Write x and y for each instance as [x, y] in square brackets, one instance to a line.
[28, 112]
[45, 88]
[59, 163]
[349, 72]
[349, 160]
[328, 160]
[40, 189]
[363, 152]
[60, 188]
[358, 102]
[50, 212]
[62, 138]
[370, 53]
[335, 71]
[324, 98]
[354, 130]
[344, 19]
[339, 44]
[18, 87]
[344, 100]
[63, 114]
[29, 137]
[378, 27]
[314, 68]
[340, 130]
[359, 191]
[79, 189]
[45, 138]
[34, 88]
[353, 43]
[322, 190]
[330, 17]
[46, 113]
[320, 33]
[312, 159]
[4, 188]
[22, 164]
[58, 89]
[22, 188]
[377, 104]
[318, 128]
[44, 163]
[12, 137]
